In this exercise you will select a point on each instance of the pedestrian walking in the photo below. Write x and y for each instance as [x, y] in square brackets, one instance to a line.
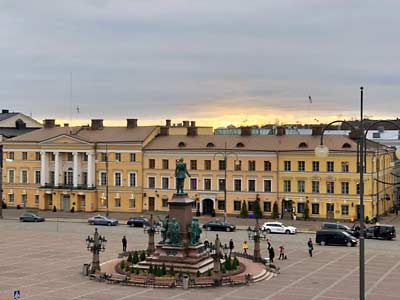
[124, 244]
[231, 246]
[271, 254]
[245, 247]
[282, 252]
[310, 247]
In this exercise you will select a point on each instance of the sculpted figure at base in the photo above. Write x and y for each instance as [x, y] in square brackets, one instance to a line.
[180, 175]
[164, 228]
[195, 232]
[173, 232]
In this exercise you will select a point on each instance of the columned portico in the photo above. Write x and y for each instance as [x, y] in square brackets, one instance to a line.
[44, 170]
[90, 169]
[56, 168]
[76, 170]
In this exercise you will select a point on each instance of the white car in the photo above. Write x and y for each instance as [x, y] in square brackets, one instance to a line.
[277, 227]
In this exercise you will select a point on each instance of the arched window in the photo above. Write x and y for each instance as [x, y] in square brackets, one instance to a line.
[346, 146]
[181, 144]
[210, 145]
[303, 145]
[239, 145]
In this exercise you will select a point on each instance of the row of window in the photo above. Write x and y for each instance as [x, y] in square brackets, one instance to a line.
[207, 184]
[69, 156]
[315, 187]
[193, 165]
[301, 166]
[24, 199]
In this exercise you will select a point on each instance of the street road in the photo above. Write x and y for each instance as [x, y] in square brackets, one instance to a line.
[44, 261]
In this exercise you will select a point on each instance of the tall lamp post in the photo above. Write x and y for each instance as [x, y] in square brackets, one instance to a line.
[323, 151]
[107, 211]
[256, 235]
[225, 154]
[96, 244]
[151, 229]
[1, 181]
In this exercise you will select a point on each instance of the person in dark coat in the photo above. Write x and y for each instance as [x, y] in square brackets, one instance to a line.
[124, 244]
[231, 246]
[310, 247]
[271, 254]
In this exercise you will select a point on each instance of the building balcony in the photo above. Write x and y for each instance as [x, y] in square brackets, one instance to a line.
[68, 187]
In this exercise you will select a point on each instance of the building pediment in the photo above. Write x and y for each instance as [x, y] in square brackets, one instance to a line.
[64, 139]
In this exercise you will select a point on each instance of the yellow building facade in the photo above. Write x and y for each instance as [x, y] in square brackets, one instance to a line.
[131, 169]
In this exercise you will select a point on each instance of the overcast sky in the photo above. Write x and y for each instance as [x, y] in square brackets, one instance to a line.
[214, 61]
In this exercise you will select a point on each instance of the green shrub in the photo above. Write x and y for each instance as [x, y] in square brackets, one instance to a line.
[130, 257]
[209, 272]
[227, 264]
[244, 213]
[275, 211]
[122, 265]
[198, 274]
[171, 271]
[151, 269]
[235, 262]
[257, 210]
[135, 258]
[132, 270]
[163, 270]
[142, 256]
[223, 270]
[137, 271]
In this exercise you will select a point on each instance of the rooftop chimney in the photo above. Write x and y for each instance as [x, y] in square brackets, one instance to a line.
[316, 130]
[5, 111]
[131, 123]
[193, 124]
[49, 123]
[168, 123]
[280, 131]
[97, 124]
[66, 125]
[185, 123]
[245, 131]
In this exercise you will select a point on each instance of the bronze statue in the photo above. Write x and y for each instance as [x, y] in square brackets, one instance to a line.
[180, 175]
[173, 232]
[164, 228]
[195, 232]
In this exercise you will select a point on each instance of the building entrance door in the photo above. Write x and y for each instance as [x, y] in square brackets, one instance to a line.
[208, 206]
[151, 203]
[330, 210]
[65, 203]
[48, 201]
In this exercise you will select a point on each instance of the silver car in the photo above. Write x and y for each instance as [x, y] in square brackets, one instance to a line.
[102, 220]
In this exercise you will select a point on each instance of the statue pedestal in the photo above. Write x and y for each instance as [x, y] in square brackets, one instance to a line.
[185, 257]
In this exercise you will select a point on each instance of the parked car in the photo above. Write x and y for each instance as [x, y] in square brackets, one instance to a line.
[30, 217]
[219, 225]
[138, 222]
[334, 237]
[277, 227]
[101, 220]
[386, 232]
[353, 232]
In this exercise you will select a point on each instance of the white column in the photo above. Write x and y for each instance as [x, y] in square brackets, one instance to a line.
[76, 168]
[56, 168]
[90, 169]
[44, 168]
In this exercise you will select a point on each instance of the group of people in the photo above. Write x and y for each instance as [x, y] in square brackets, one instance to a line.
[271, 251]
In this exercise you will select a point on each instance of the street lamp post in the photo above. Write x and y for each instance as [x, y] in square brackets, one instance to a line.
[1, 181]
[225, 154]
[107, 212]
[151, 229]
[96, 244]
[323, 151]
[256, 235]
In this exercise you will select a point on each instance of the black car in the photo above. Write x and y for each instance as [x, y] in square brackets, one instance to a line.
[335, 237]
[328, 225]
[386, 232]
[219, 226]
[30, 217]
[138, 222]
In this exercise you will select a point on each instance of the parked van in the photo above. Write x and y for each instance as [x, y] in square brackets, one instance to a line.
[335, 237]
[386, 232]
[330, 225]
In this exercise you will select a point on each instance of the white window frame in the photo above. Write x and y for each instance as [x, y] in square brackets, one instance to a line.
[255, 184]
[37, 199]
[8, 176]
[100, 177]
[132, 200]
[161, 187]
[34, 176]
[241, 184]
[155, 181]
[115, 178]
[267, 179]
[132, 155]
[117, 200]
[27, 176]
[129, 179]
[204, 184]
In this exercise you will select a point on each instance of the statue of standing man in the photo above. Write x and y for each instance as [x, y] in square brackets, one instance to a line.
[180, 175]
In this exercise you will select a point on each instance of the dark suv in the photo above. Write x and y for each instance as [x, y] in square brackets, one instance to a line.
[327, 225]
[386, 232]
[334, 237]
